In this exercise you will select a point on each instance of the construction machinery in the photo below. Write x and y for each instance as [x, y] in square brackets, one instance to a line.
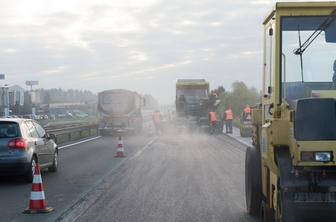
[245, 126]
[119, 111]
[192, 99]
[194, 102]
[290, 172]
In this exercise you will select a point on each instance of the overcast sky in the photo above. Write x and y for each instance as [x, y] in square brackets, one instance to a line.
[142, 45]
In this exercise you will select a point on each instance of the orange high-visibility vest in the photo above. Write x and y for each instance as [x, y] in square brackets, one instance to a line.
[213, 117]
[247, 109]
[228, 114]
[156, 117]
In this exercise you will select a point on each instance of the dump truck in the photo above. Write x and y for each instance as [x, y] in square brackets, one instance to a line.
[119, 111]
[290, 172]
[192, 101]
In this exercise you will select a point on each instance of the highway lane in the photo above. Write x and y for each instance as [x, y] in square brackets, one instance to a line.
[81, 167]
[180, 177]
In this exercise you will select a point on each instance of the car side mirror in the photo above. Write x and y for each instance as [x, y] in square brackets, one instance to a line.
[50, 136]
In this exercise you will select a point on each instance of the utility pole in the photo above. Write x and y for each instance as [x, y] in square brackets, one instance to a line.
[32, 83]
[4, 98]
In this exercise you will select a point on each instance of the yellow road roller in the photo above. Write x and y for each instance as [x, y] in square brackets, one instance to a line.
[290, 172]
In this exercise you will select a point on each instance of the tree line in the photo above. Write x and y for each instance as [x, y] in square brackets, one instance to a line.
[48, 96]
[239, 96]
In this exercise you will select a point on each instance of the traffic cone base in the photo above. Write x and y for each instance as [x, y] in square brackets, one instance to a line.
[38, 211]
[120, 155]
[37, 202]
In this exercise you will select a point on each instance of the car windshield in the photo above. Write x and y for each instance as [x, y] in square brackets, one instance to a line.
[9, 130]
[308, 71]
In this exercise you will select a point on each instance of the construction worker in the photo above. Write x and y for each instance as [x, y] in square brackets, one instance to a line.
[213, 121]
[156, 117]
[247, 109]
[228, 119]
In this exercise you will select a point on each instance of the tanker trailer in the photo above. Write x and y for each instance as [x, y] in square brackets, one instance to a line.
[119, 111]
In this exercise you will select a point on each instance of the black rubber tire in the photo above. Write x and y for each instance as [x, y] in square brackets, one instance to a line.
[54, 166]
[267, 214]
[253, 193]
[29, 176]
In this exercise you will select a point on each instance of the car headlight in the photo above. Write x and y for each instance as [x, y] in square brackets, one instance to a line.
[323, 156]
[319, 156]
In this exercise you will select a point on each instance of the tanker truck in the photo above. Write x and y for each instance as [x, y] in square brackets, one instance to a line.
[119, 112]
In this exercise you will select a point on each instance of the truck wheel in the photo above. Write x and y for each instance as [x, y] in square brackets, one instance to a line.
[253, 193]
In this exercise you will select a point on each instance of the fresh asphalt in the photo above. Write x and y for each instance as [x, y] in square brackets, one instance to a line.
[178, 176]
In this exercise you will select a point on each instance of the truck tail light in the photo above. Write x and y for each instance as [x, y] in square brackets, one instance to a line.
[18, 143]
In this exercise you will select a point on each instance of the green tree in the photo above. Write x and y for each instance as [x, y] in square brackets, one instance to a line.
[238, 98]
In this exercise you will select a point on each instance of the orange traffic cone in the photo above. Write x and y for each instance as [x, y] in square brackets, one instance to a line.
[37, 203]
[120, 149]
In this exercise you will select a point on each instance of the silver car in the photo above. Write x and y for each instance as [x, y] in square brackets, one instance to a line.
[23, 143]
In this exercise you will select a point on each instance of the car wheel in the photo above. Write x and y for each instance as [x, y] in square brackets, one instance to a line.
[30, 173]
[54, 166]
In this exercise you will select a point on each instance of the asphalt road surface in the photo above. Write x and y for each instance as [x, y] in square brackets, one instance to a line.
[81, 168]
[171, 177]
[180, 177]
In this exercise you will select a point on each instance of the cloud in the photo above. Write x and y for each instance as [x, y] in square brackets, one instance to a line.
[143, 45]
[244, 54]
[10, 51]
[260, 2]
[138, 56]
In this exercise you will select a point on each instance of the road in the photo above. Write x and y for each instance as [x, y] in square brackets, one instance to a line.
[81, 167]
[246, 141]
[174, 177]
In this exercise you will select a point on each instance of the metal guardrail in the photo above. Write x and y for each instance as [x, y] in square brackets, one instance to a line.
[68, 134]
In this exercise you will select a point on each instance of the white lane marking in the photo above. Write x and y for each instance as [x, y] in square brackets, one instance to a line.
[143, 148]
[80, 142]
